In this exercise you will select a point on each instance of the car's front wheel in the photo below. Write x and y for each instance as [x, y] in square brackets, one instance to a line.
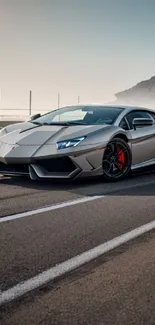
[116, 161]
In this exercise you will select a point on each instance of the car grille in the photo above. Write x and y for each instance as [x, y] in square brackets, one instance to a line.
[63, 164]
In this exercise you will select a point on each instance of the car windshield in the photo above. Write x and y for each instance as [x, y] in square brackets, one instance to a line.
[87, 115]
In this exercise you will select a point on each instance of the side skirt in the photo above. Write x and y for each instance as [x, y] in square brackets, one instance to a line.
[143, 164]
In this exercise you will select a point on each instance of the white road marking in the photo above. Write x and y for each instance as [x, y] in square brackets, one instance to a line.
[50, 208]
[71, 264]
[60, 205]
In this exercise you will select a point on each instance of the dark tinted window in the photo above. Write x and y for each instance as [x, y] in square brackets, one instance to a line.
[124, 124]
[136, 114]
[153, 115]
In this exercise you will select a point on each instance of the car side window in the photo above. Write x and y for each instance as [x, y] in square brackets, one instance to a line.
[124, 124]
[153, 115]
[136, 114]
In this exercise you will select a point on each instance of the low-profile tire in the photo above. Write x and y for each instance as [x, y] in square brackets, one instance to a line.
[116, 162]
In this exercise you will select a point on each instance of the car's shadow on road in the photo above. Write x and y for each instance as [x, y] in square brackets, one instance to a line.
[135, 185]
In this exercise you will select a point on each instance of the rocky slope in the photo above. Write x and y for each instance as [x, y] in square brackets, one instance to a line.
[141, 94]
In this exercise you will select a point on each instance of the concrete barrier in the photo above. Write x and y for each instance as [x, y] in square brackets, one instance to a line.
[5, 123]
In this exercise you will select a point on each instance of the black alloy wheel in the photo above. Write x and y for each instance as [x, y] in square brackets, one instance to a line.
[116, 161]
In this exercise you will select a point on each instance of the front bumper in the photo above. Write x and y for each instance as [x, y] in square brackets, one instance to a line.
[68, 167]
[34, 162]
[62, 167]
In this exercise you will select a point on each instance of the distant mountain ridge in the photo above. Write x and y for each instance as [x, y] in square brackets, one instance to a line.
[143, 93]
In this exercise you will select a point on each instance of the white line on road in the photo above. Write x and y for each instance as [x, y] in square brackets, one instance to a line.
[71, 264]
[50, 208]
[60, 205]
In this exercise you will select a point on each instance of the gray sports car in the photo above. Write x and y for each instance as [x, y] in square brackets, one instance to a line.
[80, 141]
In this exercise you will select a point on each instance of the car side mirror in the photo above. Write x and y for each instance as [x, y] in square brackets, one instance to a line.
[34, 117]
[142, 122]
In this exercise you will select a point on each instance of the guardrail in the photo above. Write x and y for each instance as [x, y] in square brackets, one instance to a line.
[22, 111]
[5, 123]
[13, 115]
[9, 119]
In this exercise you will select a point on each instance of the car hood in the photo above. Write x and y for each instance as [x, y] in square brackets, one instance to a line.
[29, 134]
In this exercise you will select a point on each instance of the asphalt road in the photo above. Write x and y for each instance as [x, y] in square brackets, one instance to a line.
[35, 243]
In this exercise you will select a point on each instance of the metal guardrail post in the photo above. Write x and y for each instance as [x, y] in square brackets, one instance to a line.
[30, 103]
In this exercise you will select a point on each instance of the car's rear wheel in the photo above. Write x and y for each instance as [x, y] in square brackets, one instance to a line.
[116, 161]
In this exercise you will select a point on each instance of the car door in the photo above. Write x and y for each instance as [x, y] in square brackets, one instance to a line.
[143, 138]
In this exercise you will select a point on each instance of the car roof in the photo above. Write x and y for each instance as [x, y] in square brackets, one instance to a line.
[128, 107]
[125, 108]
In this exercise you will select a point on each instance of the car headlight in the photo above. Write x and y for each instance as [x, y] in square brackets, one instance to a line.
[69, 143]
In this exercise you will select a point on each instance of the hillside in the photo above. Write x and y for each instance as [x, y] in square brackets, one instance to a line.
[143, 93]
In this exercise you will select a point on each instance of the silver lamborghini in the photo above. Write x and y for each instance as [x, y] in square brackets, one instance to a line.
[80, 141]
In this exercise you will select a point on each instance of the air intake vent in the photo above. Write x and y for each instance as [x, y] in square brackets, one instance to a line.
[14, 168]
[64, 165]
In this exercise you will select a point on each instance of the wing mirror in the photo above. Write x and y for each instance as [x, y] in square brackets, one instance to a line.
[34, 117]
[142, 122]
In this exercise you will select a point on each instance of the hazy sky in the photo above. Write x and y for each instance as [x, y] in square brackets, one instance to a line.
[91, 48]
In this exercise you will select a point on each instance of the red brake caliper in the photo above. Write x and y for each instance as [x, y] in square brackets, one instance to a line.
[121, 158]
